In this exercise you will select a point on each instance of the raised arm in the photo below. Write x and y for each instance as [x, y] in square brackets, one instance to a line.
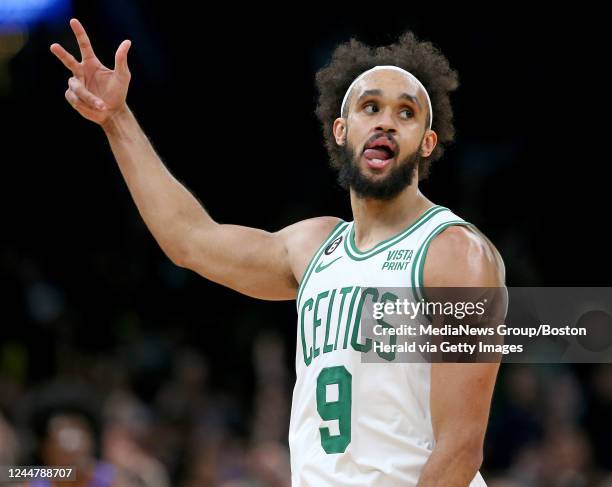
[255, 262]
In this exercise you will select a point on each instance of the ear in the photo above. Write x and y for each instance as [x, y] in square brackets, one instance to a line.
[429, 143]
[339, 129]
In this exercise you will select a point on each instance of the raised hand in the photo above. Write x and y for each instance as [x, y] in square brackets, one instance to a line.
[94, 90]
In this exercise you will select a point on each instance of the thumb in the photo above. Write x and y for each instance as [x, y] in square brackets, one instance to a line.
[121, 65]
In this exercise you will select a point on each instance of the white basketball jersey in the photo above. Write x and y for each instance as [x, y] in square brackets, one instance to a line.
[353, 423]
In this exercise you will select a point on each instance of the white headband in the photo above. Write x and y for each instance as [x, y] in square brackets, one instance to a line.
[394, 68]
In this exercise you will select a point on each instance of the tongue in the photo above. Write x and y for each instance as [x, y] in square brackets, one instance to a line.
[376, 154]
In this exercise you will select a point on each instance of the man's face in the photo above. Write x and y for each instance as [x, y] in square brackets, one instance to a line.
[383, 134]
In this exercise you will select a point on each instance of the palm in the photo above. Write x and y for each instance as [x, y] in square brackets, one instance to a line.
[103, 83]
[95, 91]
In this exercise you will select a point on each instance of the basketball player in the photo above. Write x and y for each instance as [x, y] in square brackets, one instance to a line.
[386, 116]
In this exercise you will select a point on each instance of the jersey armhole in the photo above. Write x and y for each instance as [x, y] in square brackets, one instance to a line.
[337, 230]
[419, 263]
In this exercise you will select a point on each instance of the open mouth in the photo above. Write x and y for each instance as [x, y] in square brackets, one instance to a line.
[379, 152]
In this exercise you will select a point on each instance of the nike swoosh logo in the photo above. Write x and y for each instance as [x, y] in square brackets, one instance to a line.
[322, 267]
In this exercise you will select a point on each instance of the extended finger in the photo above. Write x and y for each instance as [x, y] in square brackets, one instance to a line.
[82, 39]
[66, 58]
[84, 94]
[121, 65]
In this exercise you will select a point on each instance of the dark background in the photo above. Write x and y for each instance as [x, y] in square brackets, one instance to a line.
[228, 100]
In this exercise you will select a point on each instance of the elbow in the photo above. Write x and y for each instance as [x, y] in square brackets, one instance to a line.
[474, 459]
[470, 448]
[179, 261]
[471, 457]
[179, 257]
[467, 450]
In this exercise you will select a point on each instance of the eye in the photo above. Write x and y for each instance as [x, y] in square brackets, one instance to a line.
[406, 113]
[370, 108]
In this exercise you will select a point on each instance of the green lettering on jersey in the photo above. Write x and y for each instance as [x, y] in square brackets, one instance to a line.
[348, 318]
[319, 309]
[389, 356]
[327, 347]
[338, 410]
[362, 347]
[307, 356]
[344, 291]
[397, 260]
[316, 322]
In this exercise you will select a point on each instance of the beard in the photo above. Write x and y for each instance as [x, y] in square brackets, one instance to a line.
[400, 176]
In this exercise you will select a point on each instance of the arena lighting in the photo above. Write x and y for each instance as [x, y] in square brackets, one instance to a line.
[17, 17]
[20, 14]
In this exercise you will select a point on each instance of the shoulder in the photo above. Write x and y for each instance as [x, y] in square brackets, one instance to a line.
[303, 239]
[310, 232]
[463, 256]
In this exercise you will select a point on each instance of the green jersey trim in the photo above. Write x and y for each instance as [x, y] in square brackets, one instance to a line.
[354, 253]
[337, 230]
[419, 261]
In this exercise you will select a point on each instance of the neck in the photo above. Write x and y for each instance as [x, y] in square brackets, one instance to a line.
[377, 220]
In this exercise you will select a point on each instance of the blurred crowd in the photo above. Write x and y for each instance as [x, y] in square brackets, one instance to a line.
[187, 435]
[159, 393]
[550, 426]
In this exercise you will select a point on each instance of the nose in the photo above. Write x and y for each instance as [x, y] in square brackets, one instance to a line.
[385, 122]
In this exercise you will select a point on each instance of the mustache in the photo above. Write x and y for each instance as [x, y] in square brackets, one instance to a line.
[380, 135]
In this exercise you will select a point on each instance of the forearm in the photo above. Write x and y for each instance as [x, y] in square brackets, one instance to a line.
[167, 207]
[450, 467]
